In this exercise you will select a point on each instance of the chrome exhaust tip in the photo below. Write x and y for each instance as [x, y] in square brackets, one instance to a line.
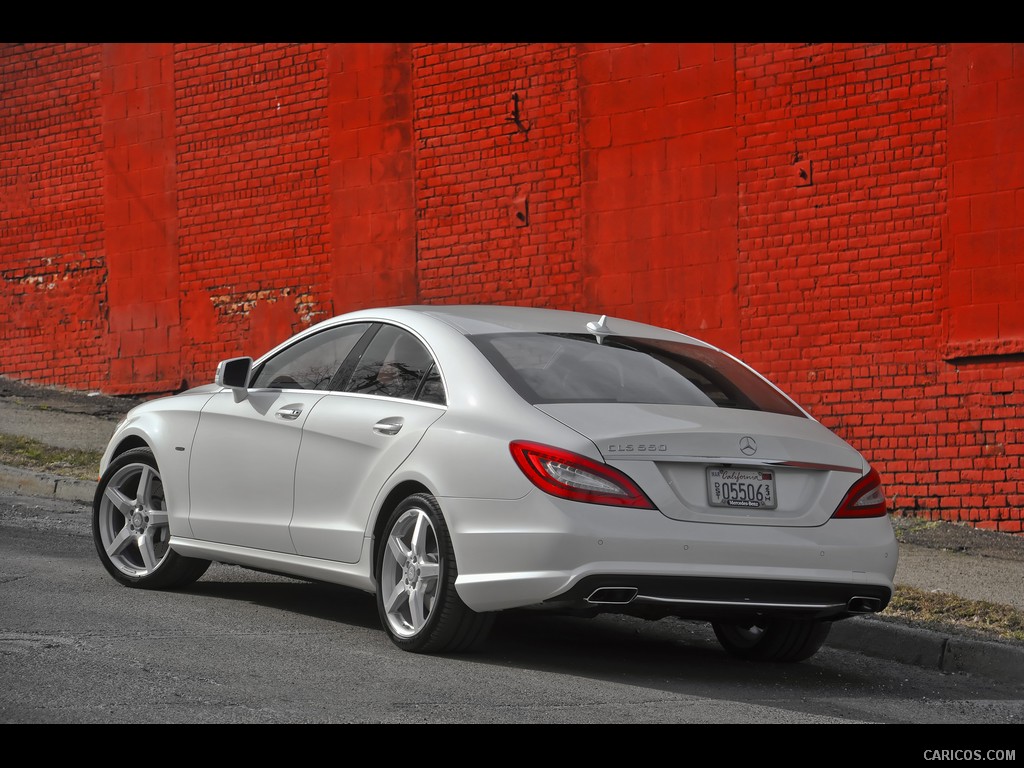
[864, 605]
[613, 595]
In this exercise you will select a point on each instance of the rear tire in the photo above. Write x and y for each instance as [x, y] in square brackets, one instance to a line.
[416, 572]
[783, 640]
[130, 527]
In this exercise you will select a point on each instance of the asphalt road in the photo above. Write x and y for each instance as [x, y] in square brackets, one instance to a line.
[245, 647]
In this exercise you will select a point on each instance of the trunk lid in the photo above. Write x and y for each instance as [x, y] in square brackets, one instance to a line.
[721, 465]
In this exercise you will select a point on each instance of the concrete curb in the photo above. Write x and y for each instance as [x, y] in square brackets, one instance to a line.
[45, 485]
[892, 640]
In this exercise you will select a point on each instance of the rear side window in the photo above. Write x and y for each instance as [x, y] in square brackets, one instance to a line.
[396, 364]
[571, 368]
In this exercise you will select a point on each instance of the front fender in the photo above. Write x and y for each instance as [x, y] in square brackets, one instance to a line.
[167, 427]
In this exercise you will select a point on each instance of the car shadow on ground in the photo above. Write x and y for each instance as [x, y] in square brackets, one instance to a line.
[319, 600]
[671, 655]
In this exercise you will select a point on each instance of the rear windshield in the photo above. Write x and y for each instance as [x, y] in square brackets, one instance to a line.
[575, 368]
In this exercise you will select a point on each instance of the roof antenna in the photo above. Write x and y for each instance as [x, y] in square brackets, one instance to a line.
[599, 329]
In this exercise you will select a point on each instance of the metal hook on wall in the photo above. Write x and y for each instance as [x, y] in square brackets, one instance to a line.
[516, 117]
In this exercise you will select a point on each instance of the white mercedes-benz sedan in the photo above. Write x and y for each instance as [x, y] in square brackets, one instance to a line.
[457, 461]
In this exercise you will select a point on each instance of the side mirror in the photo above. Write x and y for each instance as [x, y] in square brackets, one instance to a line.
[235, 373]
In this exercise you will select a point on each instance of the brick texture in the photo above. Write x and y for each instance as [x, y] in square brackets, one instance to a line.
[497, 174]
[253, 197]
[659, 180]
[845, 217]
[53, 276]
[140, 218]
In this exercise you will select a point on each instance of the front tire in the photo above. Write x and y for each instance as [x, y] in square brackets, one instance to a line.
[130, 526]
[416, 571]
[784, 640]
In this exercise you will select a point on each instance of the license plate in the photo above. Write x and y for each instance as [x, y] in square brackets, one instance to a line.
[752, 488]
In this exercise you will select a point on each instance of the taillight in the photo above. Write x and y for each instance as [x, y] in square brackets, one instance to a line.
[866, 498]
[571, 476]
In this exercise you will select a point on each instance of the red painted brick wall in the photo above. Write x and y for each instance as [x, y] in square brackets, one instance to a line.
[979, 396]
[140, 218]
[497, 174]
[857, 254]
[659, 165]
[845, 217]
[986, 210]
[53, 272]
[372, 198]
[843, 198]
[253, 196]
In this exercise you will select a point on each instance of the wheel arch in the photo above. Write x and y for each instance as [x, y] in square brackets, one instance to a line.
[132, 441]
[127, 444]
[395, 496]
[172, 463]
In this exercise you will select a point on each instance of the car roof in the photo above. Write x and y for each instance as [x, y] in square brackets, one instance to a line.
[472, 319]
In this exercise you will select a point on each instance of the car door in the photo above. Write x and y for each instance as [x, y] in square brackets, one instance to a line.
[355, 439]
[242, 466]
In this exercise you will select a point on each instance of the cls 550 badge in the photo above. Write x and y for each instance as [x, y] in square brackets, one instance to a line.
[639, 448]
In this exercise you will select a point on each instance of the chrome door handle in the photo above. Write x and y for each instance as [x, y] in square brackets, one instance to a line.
[289, 412]
[389, 426]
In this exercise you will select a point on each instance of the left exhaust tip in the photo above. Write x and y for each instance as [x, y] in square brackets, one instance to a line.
[613, 595]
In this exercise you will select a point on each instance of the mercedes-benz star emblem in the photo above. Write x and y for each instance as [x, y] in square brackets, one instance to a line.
[748, 445]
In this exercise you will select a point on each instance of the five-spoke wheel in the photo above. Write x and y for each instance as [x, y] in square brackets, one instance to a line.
[130, 526]
[416, 573]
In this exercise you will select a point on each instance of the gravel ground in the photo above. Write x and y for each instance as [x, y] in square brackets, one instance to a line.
[961, 538]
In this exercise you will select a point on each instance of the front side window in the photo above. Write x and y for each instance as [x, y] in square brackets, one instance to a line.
[575, 368]
[396, 364]
[312, 362]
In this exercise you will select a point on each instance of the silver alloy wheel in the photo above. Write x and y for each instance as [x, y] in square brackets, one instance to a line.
[132, 520]
[409, 574]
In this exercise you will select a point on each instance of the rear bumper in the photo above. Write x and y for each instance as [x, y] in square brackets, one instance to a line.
[540, 551]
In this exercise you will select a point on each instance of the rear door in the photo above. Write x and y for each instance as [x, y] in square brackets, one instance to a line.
[354, 440]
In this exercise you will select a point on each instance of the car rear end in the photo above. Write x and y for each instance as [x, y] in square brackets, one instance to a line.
[692, 487]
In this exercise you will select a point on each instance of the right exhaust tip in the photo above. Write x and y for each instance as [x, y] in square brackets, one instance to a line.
[864, 605]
